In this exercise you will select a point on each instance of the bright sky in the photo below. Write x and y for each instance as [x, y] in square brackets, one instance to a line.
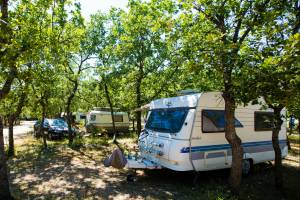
[92, 6]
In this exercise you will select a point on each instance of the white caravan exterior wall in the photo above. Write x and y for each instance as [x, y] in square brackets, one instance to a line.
[79, 117]
[208, 150]
[102, 120]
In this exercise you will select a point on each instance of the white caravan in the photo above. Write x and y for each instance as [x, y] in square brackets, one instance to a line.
[79, 117]
[187, 133]
[101, 119]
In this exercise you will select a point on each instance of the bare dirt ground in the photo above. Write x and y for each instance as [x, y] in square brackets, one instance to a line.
[64, 173]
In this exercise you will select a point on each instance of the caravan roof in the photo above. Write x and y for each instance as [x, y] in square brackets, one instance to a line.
[175, 102]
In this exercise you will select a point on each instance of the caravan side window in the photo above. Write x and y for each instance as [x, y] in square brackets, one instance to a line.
[263, 121]
[214, 121]
[118, 118]
[93, 117]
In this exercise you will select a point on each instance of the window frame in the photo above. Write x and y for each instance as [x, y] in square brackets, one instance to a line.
[223, 131]
[255, 118]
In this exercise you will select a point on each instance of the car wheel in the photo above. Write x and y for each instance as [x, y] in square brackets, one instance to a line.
[246, 167]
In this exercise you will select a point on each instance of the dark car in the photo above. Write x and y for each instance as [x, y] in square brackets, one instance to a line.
[54, 128]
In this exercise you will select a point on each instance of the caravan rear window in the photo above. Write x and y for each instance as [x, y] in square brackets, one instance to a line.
[214, 121]
[263, 121]
[82, 117]
[167, 120]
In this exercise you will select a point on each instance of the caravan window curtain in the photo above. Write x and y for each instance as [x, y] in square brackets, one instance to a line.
[263, 121]
[167, 120]
[214, 121]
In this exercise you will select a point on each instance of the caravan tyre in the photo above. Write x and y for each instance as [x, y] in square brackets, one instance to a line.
[246, 167]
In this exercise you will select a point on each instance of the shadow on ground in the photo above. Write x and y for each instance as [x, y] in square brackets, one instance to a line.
[64, 173]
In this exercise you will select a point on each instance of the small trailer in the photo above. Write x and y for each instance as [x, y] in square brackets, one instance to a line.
[186, 133]
[100, 118]
[79, 117]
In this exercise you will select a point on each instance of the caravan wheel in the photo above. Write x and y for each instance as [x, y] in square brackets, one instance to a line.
[246, 167]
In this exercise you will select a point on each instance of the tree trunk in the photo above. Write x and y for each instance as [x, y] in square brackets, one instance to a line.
[278, 159]
[111, 109]
[11, 149]
[4, 184]
[11, 121]
[235, 142]
[69, 113]
[288, 142]
[70, 132]
[133, 124]
[138, 101]
[42, 129]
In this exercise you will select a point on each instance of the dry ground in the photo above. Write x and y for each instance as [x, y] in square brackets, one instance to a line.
[78, 173]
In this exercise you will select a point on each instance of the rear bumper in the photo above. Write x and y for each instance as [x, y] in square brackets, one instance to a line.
[141, 163]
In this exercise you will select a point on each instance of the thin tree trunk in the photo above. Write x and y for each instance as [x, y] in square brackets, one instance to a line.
[111, 110]
[11, 121]
[275, 140]
[4, 184]
[11, 149]
[288, 143]
[133, 124]
[70, 132]
[69, 113]
[138, 100]
[235, 142]
[42, 129]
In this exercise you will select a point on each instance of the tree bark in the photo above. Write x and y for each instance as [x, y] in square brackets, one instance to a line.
[69, 113]
[42, 129]
[138, 98]
[235, 142]
[111, 109]
[11, 149]
[11, 121]
[133, 124]
[278, 159]
[4, 184]
[288, 142]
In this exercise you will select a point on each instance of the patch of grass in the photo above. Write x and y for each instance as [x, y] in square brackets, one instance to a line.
[294, 138]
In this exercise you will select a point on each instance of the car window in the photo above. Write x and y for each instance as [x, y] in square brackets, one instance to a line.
[59, 122]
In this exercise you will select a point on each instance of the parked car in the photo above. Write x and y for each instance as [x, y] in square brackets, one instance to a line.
[54, 128]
